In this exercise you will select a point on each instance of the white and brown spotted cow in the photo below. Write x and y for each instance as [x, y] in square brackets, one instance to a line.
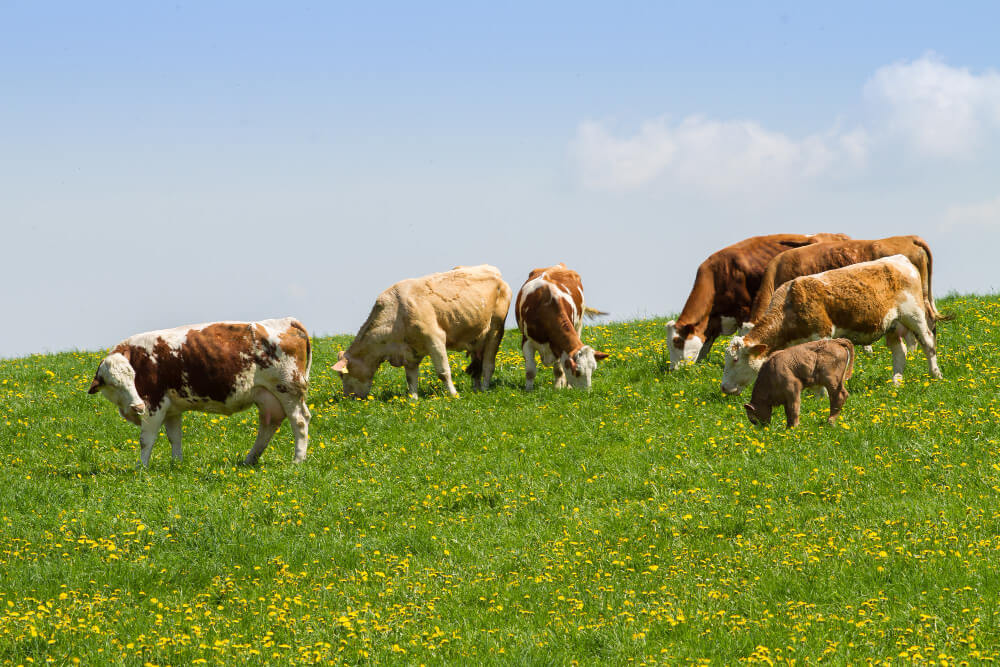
[461, 309]
[220, 367]
[861, 302]
[723, 291]
[550, 311]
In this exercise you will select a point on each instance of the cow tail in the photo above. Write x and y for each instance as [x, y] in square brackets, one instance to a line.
[591, 313]
[309, 355]
[932, 310]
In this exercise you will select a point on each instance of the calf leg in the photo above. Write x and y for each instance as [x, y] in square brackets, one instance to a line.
[792, 404]
[528, 351]
[490, 350]
[927, 340]
[838, 396]
[300, 417]
[412, 377]
[172, 424]
[439, 357]
[270, 414]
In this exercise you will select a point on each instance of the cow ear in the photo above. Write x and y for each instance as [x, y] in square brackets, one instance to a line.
[757, 350]
[95, 385]
[341, 365]
[750, 408]
[599, 356]
[570, 363]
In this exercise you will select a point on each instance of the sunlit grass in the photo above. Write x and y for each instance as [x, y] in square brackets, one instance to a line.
[646, 521]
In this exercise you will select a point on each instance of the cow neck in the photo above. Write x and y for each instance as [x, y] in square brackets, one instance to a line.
[698, 307]
[563, 338]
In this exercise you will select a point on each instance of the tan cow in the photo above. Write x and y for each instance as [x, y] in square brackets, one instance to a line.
[220, 367]
[723, 291]
[461, 309]
[550, 311]
[861, 302]
[820, 257]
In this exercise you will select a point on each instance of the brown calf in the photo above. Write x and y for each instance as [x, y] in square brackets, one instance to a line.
[821, 363]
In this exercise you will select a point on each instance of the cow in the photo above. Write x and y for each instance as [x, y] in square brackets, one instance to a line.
[826, 364]
[723, 291]
[861, 302]
[461, 309]
[219, 367]
[550, 311]
[819, 257]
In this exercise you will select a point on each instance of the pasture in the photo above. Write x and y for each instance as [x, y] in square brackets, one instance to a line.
[646, 521]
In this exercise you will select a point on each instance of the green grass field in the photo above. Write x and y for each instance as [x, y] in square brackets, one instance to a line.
[644, 521]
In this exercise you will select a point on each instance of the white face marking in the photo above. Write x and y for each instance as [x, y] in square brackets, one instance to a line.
[740, 368]
[586, 364]
[688, 353]
[119, 386]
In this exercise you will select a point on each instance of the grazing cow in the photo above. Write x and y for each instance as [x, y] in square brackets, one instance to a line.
[221, 367]
[825, 364]
[723, 291]
[461, 309]
[819, 257]
[861, 302]
[550, 311]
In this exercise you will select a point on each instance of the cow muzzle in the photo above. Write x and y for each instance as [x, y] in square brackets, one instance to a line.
[730, 389]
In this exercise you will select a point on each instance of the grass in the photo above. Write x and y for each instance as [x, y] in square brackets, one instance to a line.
[644, 521]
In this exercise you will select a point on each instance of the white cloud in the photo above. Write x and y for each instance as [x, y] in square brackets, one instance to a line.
[985, 214]
[939, 110]
[718, 157]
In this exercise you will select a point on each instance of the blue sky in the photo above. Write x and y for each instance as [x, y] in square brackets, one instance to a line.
[164, 164]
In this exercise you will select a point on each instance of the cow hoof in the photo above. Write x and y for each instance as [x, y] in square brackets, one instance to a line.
[897, 380]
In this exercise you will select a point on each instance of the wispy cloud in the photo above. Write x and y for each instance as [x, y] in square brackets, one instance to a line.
[717, 157]
[937, 109]
[983, 214]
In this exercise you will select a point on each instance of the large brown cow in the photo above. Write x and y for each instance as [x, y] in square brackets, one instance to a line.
[550, 311]
[820, 257]
[461, 309]
[221, 367]
[861, 302]
[723, 291]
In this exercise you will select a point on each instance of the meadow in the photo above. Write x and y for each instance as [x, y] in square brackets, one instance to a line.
[646, 521]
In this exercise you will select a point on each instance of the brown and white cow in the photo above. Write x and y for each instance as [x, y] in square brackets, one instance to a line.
[461, 309]
[550, 311]
[220, 367]
[820, 257]
[861, 302]
[723, 291]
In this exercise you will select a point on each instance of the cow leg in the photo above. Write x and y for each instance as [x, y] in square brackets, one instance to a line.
[270, 414]
[792, 405]
[898, 355]
[147, 436]
[528, 350]
[559, 374]
[439, 357]
[413, 377]
[490, 349]
[299, 417]
[705, 349]
[172, 424]
[927, 340]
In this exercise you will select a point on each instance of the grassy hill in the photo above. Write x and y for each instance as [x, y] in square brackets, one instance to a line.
[646, 520]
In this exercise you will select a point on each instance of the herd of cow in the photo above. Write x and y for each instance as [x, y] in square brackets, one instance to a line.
[780, 291]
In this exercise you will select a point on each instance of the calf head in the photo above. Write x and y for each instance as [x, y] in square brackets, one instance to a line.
[115, 379]
[684, 345]
[743, 361]
[759, 416]
[355, 375]
[580, 366]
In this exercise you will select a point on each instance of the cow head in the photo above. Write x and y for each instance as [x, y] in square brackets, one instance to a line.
[758, 416]
[355, 375]
[580, 366]
[683, 344]
[742, 364]
[115, 378]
